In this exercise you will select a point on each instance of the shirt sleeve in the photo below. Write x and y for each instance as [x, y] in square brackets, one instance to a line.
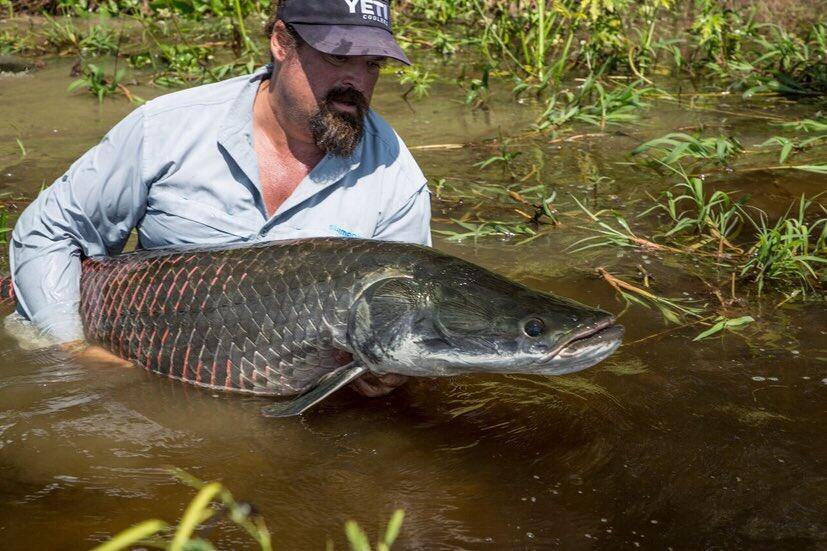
[405, 212]
[411, 222]
[89, 211]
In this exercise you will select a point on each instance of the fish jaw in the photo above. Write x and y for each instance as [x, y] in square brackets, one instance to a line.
[582, 351]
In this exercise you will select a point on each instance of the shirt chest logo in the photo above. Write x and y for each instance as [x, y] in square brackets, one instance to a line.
[341, 231]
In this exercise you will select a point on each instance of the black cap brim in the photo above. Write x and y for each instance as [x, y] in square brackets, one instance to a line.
[351, 40]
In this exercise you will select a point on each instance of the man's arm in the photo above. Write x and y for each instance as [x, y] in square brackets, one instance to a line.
[89, 211]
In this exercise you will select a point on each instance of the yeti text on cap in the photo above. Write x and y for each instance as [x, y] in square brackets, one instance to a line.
[374, 10]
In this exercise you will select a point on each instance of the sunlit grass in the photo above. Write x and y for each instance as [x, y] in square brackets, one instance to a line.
[677, 146]
[214, 503]
[792, 252]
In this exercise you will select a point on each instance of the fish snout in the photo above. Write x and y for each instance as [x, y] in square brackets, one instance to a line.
[584, 346]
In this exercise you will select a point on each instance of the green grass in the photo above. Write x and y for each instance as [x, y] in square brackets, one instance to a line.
[213, 504]
[417, 81]
[678, 146]
[708, 217]
[595, 103]
[98, 83]
[789, 254]
[5, 229]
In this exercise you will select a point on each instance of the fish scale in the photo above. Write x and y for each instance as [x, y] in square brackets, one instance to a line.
[273, 303]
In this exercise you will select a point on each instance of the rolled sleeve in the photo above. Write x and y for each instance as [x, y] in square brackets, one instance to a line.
[89, 211]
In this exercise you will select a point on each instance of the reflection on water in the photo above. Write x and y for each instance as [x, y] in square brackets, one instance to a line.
[668, 444]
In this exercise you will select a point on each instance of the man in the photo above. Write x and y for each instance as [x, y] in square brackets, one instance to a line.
[290, 151]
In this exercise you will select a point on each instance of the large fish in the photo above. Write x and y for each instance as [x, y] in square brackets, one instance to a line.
[302, 318]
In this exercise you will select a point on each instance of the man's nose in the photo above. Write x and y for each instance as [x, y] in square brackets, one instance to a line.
[355, 75]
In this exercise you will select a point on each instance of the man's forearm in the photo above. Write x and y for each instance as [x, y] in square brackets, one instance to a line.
[47, 287]
[90, 211]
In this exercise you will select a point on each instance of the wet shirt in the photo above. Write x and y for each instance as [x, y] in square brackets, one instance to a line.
[182, 169]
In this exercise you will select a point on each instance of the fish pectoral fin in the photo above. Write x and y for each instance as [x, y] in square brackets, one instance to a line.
[327, 386]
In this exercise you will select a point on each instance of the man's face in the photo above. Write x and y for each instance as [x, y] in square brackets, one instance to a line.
[328, 95]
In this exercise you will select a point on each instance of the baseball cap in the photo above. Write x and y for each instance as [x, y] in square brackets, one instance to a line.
[344, 27]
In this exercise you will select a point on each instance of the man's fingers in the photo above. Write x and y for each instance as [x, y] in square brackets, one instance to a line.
[372, 386]
[82, 351]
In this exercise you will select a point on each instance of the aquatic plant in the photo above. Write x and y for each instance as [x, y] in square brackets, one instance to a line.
[715, 217]
[183, 62]
[10, 43]
[789, 255]
[487, 228]
[62, 34]
[786, 146]
[619, 234]
[817, 124]
[672, 309]
[677, 146]
[4, 225]
[359, 540]
[790, 252]
[417, 81]
[718, 31]
[214, 503]
[721, 323]
[100, 84]
[477, 90]
[595, 103]
[100, 40]
[504, 156]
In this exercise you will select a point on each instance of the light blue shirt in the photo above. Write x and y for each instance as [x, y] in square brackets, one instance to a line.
[182, 169]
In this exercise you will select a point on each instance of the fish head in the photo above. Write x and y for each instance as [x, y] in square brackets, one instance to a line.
[471, 320]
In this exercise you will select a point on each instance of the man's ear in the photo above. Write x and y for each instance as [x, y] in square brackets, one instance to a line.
[282, 43]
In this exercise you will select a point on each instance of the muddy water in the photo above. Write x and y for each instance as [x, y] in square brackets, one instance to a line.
[670, 444]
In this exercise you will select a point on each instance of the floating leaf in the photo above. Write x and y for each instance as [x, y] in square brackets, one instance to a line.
[724, 323]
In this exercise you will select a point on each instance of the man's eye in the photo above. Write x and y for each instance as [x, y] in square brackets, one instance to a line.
[377, 64]
[336, 59]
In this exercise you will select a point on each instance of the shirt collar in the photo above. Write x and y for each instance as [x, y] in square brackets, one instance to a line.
[235, 135]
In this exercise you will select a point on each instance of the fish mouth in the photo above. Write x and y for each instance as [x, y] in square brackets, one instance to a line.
[584, 349]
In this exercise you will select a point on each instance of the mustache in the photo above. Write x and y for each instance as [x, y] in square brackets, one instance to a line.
[347, 95]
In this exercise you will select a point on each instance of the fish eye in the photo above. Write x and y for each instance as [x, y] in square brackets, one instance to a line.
[534, 327]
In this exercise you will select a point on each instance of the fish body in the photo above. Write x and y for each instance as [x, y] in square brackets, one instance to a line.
[286, 317]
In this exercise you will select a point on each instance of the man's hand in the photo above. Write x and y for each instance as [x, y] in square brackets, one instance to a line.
[96, 354]
[372, 386]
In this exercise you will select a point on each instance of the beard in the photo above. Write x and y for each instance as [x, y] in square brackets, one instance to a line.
[339, 132]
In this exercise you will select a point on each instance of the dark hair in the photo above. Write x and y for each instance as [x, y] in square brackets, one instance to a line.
[274, 17]
[271, 21]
